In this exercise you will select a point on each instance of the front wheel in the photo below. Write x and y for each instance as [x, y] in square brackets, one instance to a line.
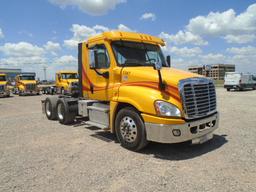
[130, 129]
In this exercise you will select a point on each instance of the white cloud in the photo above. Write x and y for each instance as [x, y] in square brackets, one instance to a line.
[122, 27]
[52, 47]
[226, 23]
[213, 58]
[91, 7]
[66, 60]
[1, 34]
[183, 38]
[185, 51]
[240, 39]
[148, 16]
[23, 61]
[249, 50]
[21, 49]
[82, 33]
[25, 33]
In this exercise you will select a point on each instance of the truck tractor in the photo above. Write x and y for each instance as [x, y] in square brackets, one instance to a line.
[128, 87]
[4, 91]
[67, 83]
[26, 84]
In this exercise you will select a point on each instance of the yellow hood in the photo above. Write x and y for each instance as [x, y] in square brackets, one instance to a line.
[69, 81]
[147, 74]
[25, 82]
[3, 82]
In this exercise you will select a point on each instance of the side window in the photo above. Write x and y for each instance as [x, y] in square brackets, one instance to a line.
[99, 57]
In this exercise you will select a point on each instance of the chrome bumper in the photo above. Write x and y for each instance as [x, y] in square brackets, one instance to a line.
[5, 94]
[198, 131]
[29, 92]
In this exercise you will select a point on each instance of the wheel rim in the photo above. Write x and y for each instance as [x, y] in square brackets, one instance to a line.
[48, 109]
[60, 112]
[128, 129]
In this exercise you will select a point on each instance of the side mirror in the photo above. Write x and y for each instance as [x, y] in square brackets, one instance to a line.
[168, 60]
[157, 65]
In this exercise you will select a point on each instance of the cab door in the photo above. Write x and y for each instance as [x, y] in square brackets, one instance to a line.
[99, 73]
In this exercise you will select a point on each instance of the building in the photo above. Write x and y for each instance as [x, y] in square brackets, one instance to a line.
[215, 71]
[11, 73]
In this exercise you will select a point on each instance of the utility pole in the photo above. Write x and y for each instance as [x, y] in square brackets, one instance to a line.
[44, 68]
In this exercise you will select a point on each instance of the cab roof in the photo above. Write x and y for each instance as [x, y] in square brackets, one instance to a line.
[27, 74]
[126, 36]
[66, 71]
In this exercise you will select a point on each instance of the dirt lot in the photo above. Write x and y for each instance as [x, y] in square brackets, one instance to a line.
[41, 155]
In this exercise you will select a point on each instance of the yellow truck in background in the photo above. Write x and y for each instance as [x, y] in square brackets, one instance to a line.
[66, 82]
[26, 84]
[127, 87]
[4, 90]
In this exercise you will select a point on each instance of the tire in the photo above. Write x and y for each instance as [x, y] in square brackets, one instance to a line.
[228, 89]
[132, 137]
[64, 115]
[51, 108]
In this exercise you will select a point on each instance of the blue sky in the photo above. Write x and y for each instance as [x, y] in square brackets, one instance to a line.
[34, 34]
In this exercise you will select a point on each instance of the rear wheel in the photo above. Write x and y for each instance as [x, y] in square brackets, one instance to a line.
[51, 108]
[65, 116]
[130, 129]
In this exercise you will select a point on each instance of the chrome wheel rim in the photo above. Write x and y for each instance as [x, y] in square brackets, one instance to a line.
[60, 111]
[128, 129]
[48, 110]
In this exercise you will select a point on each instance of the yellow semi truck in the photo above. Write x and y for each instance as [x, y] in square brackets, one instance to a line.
[67, 82]
[4, 90]
[26, 84]
[127, 87]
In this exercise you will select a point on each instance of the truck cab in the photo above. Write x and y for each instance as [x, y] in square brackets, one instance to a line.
[26, 84]
[67, 82]
[128, 87]
[4, 91]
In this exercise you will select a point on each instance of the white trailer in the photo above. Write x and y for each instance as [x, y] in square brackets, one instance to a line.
[239, 81]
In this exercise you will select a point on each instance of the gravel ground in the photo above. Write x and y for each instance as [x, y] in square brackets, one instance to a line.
[41, 155]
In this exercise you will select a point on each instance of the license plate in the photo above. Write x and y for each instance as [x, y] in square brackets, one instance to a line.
[202, 139]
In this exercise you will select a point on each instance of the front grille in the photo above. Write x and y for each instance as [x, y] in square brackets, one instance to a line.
[31, 87]
[1, 88]
[198, 97]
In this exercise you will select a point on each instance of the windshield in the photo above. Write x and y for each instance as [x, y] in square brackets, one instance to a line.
[137, 54]
[2, 78]
[27, 77]
[69, 76]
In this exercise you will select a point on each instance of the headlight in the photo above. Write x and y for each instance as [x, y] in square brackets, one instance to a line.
[167, 109]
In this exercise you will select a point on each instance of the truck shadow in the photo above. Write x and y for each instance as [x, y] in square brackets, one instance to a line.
[175, 152]
[183, 151]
